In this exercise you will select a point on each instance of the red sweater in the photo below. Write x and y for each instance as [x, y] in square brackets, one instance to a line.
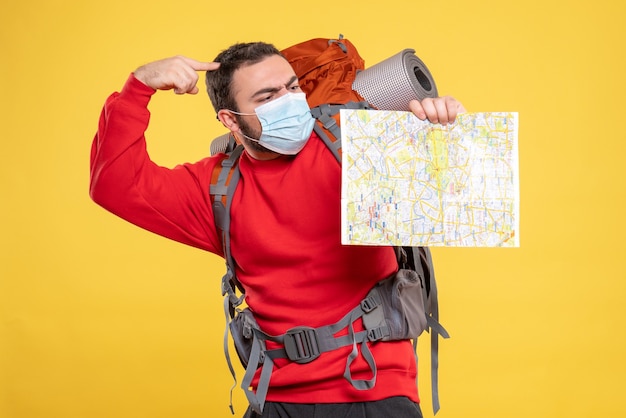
[285, 234]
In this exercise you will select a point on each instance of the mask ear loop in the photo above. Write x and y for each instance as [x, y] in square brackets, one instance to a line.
[239, 132]
[258, 141]
[240, 113]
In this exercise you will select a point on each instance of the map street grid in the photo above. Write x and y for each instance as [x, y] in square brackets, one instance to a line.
[410, 182]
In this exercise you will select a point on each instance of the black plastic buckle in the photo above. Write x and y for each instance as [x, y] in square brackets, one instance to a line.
[369, 303]
[375, 334]
[301, 344]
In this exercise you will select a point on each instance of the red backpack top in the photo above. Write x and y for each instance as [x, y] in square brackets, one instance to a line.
[326, 69]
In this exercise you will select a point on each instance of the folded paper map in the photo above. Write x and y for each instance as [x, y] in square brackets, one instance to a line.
[410, 182]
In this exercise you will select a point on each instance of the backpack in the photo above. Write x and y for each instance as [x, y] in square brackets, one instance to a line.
[400, 307]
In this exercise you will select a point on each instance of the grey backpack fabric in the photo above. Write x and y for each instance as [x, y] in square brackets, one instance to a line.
[402, 314]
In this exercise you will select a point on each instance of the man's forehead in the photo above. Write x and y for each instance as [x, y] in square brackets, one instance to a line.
[272, 72]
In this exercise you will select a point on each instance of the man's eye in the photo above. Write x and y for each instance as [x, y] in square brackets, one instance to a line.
[295, 88]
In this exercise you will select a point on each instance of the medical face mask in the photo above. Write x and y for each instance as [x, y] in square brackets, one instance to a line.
[286, 123]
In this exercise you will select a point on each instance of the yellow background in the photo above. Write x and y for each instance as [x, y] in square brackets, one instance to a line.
[101, 319]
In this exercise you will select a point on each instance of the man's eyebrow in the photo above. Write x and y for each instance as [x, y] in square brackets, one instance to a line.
[266, 90]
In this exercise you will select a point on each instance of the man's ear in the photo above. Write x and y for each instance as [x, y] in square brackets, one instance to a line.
[228, 119]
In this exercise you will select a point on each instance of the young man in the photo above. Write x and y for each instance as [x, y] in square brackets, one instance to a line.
[285, 219]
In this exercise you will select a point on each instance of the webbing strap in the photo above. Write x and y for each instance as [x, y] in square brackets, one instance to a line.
[432, 319]
[325, 335]
[332, 146]
[227, 353]
[360, 384]
[324, 114]
[257, 401]
[224, 189]
[324, 341]
[225, 186]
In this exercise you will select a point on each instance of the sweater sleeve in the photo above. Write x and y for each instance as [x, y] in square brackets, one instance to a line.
[174, 203]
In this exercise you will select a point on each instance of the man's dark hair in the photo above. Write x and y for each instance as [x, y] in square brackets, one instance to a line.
[219, 82]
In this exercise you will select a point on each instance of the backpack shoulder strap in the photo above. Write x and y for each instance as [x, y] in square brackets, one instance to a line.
[224, 181]
[223, 184]
[327, 126]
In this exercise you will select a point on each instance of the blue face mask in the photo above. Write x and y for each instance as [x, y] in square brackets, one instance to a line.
[286, 123]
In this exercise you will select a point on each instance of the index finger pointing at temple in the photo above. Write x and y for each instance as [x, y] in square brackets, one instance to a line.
[202, 66]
